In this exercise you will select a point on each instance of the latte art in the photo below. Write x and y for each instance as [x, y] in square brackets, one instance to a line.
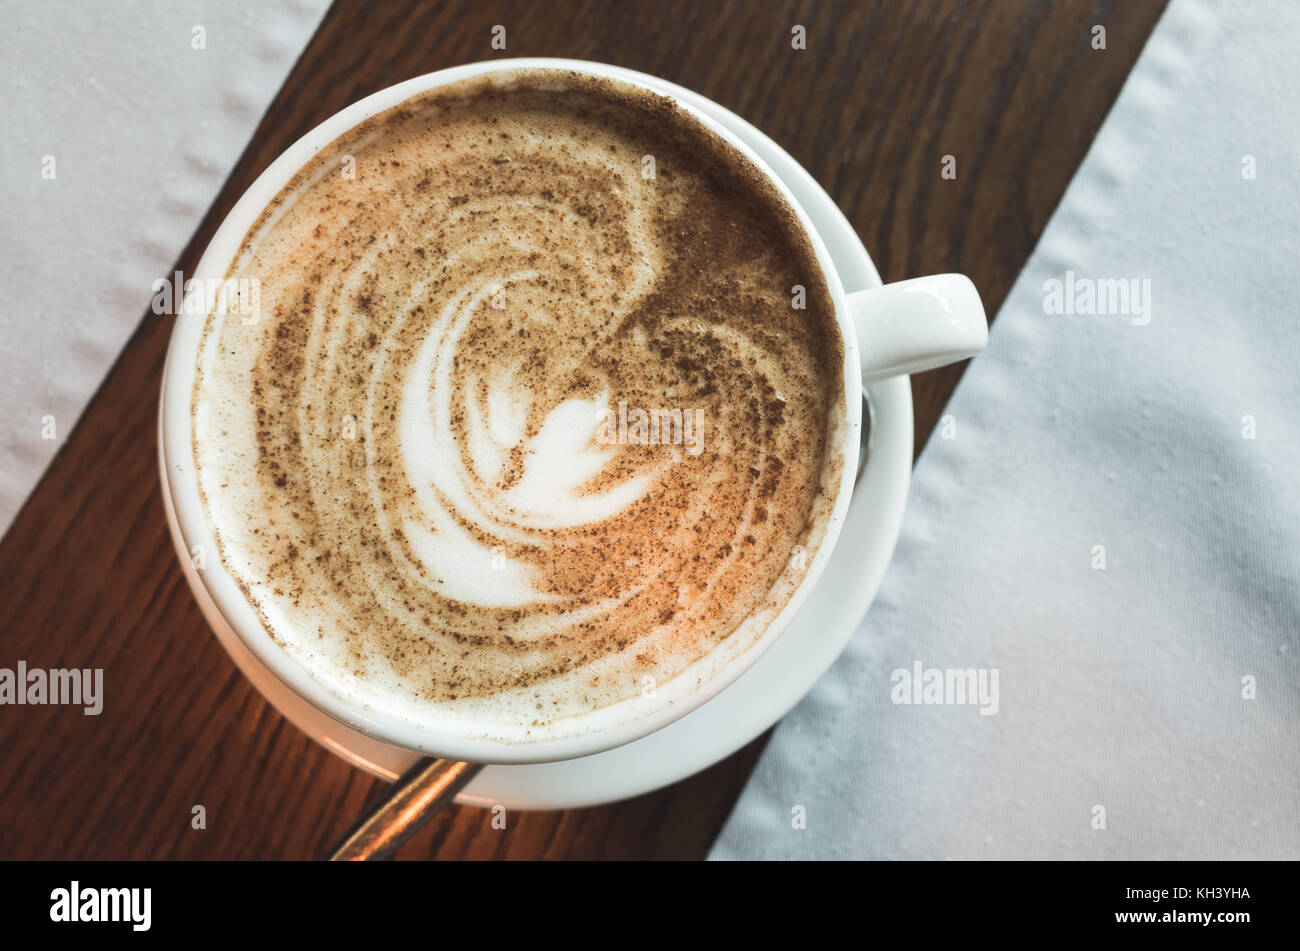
[529, 426]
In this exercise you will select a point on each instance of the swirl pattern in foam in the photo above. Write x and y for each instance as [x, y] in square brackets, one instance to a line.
[528, 421]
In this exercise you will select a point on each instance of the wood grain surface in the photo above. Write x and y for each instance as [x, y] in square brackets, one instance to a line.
[1011, 88]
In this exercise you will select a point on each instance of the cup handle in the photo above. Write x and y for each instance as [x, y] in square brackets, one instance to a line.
[916, 325]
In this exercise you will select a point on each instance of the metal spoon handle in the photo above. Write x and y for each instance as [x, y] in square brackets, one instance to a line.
[397, 815]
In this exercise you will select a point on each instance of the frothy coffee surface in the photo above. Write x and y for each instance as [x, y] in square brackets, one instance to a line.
[529, 421]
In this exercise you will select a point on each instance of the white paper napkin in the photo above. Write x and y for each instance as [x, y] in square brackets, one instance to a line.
[1149, 708]
[122, 121]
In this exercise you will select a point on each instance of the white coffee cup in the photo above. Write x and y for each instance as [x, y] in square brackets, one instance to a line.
[896, 329]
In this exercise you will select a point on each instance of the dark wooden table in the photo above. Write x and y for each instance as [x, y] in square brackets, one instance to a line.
[1012, 88]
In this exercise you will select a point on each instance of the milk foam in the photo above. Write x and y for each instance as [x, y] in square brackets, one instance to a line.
[401, 459]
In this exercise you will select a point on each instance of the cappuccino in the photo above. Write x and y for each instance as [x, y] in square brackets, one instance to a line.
[544, 405]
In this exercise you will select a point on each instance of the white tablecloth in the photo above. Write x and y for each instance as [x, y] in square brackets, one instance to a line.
[1166, 449]
[121, 122]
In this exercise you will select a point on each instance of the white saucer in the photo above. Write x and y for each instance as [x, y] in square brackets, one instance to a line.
[777, 681]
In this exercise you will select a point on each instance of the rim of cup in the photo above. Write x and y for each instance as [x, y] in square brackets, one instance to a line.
[579, 735]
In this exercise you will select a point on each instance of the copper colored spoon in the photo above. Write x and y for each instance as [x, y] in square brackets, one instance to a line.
[397, 815]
